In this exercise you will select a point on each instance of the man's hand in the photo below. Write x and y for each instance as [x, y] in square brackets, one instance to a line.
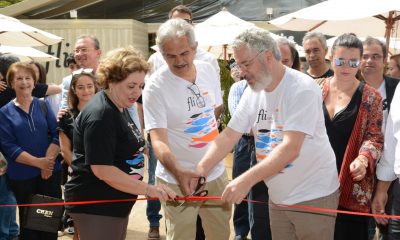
[187, 181]
[378, 206]
[236, 190]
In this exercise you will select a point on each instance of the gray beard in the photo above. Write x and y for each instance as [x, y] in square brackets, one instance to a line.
[262, 83]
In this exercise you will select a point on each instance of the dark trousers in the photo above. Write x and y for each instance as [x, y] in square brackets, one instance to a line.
[393, 228]
[352, 227]
[250, 217]
[24, 189]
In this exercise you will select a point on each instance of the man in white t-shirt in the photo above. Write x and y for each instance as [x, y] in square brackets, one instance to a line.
[179, 103]
[284, 109]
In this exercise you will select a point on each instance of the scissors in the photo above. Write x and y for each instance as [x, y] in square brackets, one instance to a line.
[201, 182]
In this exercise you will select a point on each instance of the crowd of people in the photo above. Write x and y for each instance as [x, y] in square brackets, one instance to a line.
[324, 138]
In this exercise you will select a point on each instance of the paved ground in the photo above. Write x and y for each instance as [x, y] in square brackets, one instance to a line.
[138, 224]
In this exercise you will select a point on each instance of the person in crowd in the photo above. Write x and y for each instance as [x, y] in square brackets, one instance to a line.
[179, 110]
[82, 88]
[315, 50]
[394, 66]
[247, 216]
[294, 156]
[87, 54]
[157, 61]
[6, 95]
[8, 225]
[353, 119]
[32, 165]
[372, 72]
[71, 63]
[289, 55]
[106, 143]
[41, 76]
[388, 170]
[372, 69]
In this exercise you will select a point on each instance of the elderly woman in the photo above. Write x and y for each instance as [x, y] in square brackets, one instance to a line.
[353, 119]
[106, 145]
[29, 141]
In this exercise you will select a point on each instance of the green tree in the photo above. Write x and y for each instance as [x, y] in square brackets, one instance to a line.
[5, 3]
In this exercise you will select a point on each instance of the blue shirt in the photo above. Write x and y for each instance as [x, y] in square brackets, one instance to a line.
[235, 93]
[20, 131]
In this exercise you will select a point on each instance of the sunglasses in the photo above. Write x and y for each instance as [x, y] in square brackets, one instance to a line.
[351, 63]
[82, 70]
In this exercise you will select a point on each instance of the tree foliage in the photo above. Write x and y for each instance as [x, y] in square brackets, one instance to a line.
[5, 3]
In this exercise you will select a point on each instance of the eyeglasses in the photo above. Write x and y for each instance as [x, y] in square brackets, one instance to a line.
[188, 20]
[353, 63]
[194, 89]
[248, 62]
[82, 70]
[82, 50]
[373, 57]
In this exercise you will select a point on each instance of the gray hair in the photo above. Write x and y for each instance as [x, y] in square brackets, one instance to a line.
[318, 35]
[347, 40]
[96, 42]
[256, 40]
[370, 40]
[175, 28]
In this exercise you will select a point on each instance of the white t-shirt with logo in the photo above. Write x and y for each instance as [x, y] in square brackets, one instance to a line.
[186, 110]
[295, 105]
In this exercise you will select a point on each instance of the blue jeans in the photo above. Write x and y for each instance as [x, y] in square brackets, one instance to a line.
[153, 206]
[8, 225]
[241, 163]
[248, 216]
[259, 212]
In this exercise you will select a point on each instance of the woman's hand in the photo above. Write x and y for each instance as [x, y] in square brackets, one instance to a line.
[161, 191]
[46, 163]
[358, 168]
[46, 174]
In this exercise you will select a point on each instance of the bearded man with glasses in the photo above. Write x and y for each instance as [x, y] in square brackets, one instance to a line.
[282, 107]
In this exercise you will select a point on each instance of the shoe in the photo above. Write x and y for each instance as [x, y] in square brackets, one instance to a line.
[71, 230]
[240, 238]
[154, 233]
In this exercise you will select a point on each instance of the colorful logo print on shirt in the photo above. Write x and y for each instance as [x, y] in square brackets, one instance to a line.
[136, 166]
[202, 128]
[267, 140]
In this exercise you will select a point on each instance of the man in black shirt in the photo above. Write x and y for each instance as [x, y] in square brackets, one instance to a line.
[315, 49]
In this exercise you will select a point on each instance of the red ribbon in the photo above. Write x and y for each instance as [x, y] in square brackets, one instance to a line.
[198, 198]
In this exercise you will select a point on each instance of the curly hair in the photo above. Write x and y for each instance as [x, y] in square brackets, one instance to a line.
[119, 64]
[15, 67]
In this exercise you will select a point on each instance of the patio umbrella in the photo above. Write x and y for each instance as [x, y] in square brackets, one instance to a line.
[27, 54]
[15, 33]
[220, 30]
[335, 17]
